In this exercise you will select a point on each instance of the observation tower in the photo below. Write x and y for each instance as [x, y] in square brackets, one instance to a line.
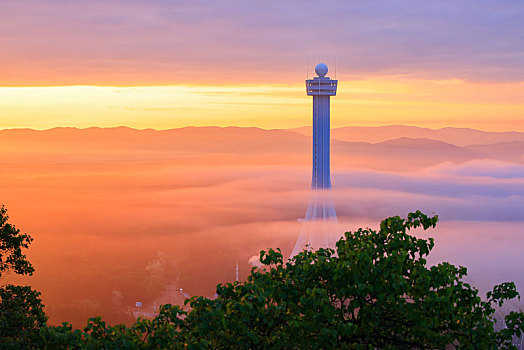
[318, 229]
[321, 88]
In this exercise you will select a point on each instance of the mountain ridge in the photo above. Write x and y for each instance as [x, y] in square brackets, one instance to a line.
[456, 136]
[233, 143]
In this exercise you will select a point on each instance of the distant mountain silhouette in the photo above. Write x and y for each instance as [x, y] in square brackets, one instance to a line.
[248, 145]
[403, 153]
[513, 150]
[456, 136]
[192, 139]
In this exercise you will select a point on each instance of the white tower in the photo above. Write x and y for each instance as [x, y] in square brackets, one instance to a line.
[317, 230]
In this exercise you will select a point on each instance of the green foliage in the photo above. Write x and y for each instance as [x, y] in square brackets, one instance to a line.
[21, 309]
[11, 244]
[374, 291]
[21, 317]
[159, 333]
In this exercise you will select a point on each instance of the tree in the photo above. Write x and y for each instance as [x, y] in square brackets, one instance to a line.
[21, 317]
[11, 244]
[374, 291]
[21, 309]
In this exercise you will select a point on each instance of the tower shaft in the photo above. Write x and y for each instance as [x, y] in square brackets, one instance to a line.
[321, 177]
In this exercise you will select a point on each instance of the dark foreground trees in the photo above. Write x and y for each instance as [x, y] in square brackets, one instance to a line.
[21, 309]
[375, 291]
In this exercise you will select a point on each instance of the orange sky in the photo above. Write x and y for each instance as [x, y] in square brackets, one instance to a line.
[373, 101]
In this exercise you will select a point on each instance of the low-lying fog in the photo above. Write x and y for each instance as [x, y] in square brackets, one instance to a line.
[125, 212]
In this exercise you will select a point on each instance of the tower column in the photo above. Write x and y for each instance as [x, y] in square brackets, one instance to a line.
[321, 143]
[321, 88]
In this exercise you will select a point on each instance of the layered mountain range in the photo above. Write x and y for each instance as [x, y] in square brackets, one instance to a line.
[389, 148]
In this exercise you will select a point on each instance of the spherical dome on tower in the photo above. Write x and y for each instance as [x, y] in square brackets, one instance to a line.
[321, 69]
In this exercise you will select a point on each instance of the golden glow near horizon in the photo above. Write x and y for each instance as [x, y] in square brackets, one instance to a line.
[368, 102]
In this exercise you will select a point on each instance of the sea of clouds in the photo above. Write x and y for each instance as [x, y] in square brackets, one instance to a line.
[131, 222]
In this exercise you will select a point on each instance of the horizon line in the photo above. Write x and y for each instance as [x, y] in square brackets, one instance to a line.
[256, 127]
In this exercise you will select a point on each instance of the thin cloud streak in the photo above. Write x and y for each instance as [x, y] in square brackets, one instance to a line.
[493, 107]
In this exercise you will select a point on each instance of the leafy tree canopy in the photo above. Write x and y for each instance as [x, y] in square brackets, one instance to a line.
[21, 309]
[21, 317]
[374, 290]
[11, 244]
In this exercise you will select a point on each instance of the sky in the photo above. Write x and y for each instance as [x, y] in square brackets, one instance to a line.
[166, 64]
